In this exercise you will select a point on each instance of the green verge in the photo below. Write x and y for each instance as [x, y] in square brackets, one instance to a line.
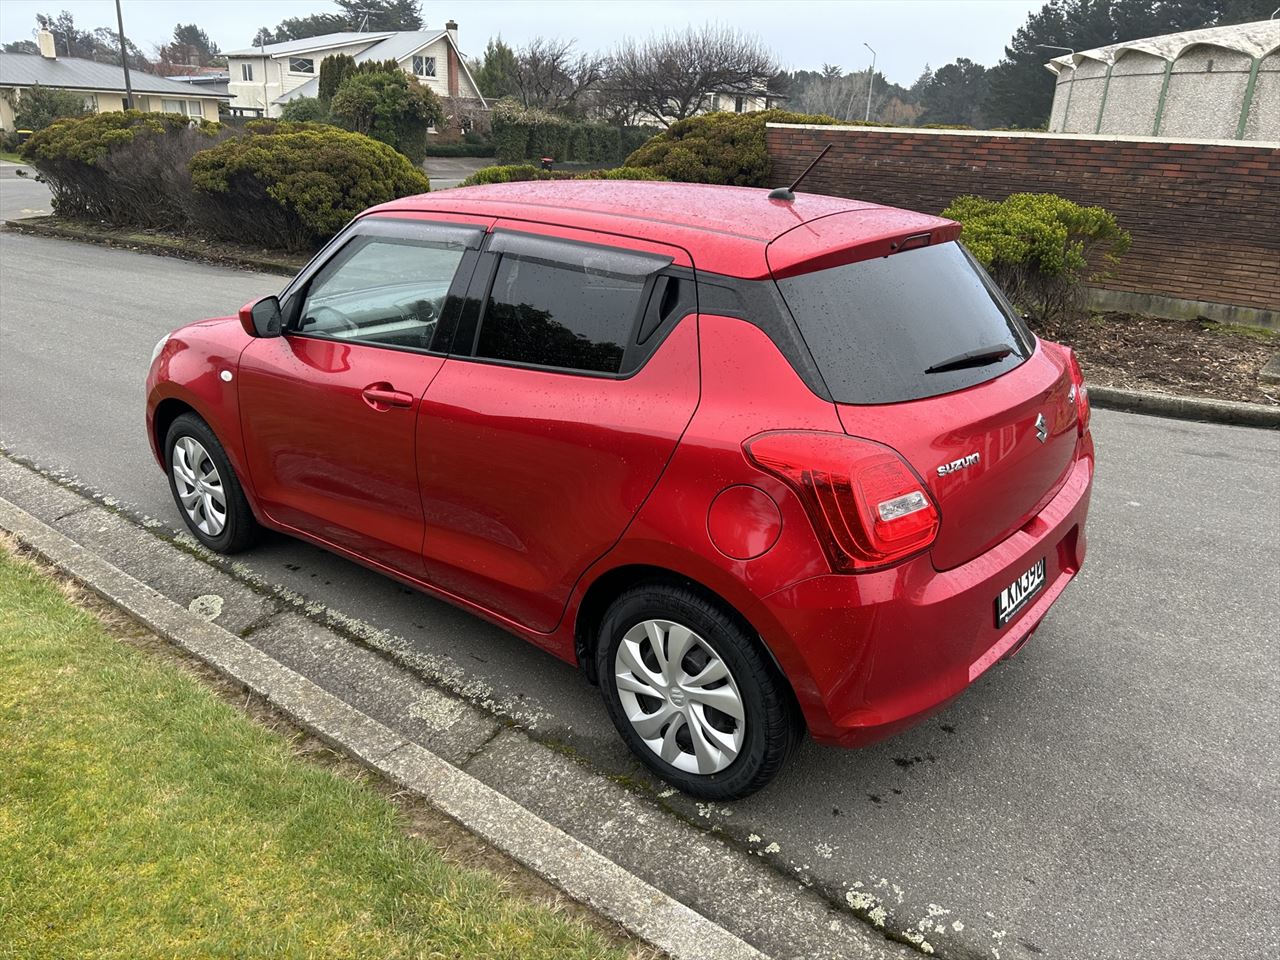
[141, 816]
[10, 157]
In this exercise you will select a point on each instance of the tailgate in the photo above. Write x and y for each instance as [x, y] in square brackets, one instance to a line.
[992, 455]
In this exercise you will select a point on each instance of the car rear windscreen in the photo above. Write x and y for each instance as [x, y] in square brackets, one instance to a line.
[915, 324]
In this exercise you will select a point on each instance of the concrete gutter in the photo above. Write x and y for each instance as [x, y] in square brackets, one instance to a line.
[1186, 408]
[575, 868]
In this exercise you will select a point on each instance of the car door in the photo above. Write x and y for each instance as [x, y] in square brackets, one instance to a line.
[571, 380]
[328, 409]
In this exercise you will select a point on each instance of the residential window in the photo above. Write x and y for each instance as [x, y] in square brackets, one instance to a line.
[561, 305]
[424, 66]
[302, 65]
[738, 103]
[188, 108]
[246, 71]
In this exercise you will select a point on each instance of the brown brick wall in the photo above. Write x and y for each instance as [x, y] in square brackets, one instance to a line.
[1205, 218]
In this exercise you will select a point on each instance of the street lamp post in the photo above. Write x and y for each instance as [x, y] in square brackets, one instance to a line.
[871, 79]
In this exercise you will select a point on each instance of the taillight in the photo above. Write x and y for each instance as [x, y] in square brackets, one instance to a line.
[1080, 392]
[868, 508]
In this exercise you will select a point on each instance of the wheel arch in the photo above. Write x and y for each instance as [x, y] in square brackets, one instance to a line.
[612, 583]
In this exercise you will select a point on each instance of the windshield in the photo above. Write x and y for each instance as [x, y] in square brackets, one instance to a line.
[916, 324]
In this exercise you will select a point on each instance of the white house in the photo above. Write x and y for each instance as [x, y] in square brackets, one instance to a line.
[265, 78]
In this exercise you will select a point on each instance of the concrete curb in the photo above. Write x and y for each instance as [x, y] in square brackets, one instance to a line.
[34, 227]
[575, 868]
[1186, 408]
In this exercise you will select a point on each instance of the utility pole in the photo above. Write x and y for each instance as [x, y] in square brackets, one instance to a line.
[871, 78]
[124, 59]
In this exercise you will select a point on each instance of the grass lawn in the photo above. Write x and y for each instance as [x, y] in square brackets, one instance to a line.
[11, 157]
[141, 815]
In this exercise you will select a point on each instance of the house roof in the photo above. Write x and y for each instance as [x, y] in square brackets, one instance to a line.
[1256, 39]
[73, 73]
[394, 46]
[323, 42]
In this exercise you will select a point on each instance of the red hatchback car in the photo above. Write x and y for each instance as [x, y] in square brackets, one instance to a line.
[759, 466]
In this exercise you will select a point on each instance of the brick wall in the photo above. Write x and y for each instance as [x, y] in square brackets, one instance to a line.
[1205, 217]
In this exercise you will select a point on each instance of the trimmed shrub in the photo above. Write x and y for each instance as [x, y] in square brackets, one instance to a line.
[128, 168]
[526, 171]
[520, 134]
[720, 147]
[463, 149]
[298, 185]
[1040, 247]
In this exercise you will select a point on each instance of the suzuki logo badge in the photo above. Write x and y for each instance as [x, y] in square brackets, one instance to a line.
[1042, 428]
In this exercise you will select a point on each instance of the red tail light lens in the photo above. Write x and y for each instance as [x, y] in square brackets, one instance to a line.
[868, 508]
[1081, 392]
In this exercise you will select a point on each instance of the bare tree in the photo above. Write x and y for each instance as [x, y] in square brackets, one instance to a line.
[674, 75]
[549, 74]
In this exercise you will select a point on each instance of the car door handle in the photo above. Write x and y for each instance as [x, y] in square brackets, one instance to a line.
[383, 396]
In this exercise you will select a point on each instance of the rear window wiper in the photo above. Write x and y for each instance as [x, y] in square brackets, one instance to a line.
[973, 358]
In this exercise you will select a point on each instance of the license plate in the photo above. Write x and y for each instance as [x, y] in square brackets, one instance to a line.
[1019, 593]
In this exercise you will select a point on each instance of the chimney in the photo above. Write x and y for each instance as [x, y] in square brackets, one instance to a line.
[44, 40]
[451, 28]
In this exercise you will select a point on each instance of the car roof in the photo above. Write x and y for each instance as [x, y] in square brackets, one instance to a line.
[724, 229]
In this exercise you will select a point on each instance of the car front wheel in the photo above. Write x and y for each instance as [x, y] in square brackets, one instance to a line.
[692, 694]
[205, 488]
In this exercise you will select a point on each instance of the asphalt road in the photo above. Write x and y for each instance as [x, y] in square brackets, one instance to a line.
[1114, 791]
[21, 196]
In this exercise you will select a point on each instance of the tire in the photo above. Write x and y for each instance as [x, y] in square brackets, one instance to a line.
[735, 756]
[203, 459]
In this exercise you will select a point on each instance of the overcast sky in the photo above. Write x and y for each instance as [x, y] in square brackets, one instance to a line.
[907, 34]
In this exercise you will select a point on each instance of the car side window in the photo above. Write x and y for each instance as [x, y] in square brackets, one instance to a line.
[382, 290]
[561, 304]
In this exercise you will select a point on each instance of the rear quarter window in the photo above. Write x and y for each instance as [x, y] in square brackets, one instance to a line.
[875, 327]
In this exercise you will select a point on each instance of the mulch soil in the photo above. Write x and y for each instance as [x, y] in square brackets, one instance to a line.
[1193, 358]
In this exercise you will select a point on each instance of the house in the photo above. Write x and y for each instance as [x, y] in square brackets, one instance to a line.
[265, 78]
[101, 84]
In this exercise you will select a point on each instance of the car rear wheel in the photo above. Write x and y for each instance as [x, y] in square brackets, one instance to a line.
[692, 694]
[205, 488]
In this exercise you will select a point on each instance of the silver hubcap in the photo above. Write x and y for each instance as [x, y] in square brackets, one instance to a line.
[199, 486]
[679, 696]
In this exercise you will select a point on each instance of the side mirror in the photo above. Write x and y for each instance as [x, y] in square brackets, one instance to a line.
[261, 318]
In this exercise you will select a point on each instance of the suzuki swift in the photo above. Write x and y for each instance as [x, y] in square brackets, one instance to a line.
[760, 466]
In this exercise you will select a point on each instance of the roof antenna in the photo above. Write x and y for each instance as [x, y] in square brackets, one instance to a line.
[789, 193]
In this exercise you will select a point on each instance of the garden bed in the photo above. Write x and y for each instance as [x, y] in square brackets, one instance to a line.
[1194, 358]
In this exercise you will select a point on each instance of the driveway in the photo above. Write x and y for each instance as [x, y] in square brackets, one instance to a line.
[1111, 792]
[21, 196]
[448, 172]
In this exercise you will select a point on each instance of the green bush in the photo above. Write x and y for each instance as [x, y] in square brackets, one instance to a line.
[305, 110]
[390, 106]
[38, 106]
[127, 168]
[297, 187]
[526, 171]
[1040, 247]
[718, 148]
[520, 134]
[459, 149]
[333, 71]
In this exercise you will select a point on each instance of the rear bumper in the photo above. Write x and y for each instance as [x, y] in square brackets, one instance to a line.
[886, 649]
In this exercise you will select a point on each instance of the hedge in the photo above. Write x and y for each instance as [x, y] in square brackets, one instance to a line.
[124, 167]
[1040, 247]
[462, 149]
[720, 147]
[531, 134]
[298, 184]
[520, 172]
[278, 184]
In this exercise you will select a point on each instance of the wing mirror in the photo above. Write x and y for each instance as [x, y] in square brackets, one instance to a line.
[261, 318]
